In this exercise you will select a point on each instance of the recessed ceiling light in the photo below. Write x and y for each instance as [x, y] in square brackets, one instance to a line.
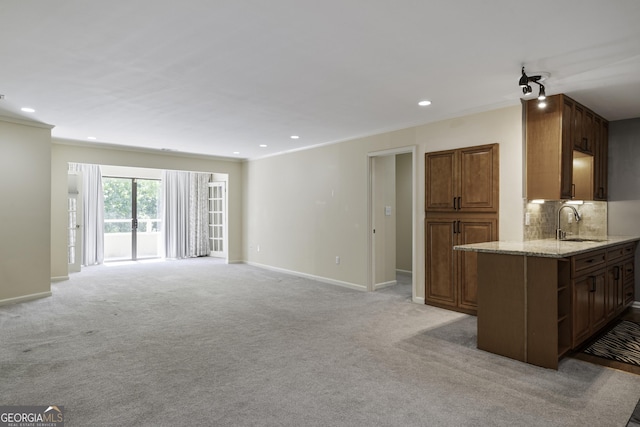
[28, 110]
[295, 137]
[236, 152]
[263, 145]
[424, 103]
[91, 137]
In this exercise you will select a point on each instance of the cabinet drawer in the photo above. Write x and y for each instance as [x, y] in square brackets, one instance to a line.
[620, 251]
[585, 262]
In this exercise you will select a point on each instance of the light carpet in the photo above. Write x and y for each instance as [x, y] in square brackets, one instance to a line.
[198, 342]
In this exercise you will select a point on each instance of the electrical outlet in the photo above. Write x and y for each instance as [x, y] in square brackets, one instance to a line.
[337, 260]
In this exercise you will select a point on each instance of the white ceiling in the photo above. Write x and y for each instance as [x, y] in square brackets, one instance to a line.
[216, 77]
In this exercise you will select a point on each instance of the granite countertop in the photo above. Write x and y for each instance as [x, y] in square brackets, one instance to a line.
[548, 248]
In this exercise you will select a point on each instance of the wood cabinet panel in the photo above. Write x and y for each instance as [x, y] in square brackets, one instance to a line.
[479, 179]
[472, 231]
[441, 183]
[451, 276]
[581, 301]
[440, 265]
[462, 180]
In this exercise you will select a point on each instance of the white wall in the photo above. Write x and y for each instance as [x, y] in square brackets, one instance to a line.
[25, 227]
[306, 207]
[64, 152]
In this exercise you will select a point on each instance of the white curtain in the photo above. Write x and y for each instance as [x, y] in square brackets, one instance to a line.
[93, 213]
[175, 213]
[185, 214]
[199, 215]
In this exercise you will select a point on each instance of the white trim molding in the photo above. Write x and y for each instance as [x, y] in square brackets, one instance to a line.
[636, 304]
[418, 300]
[310, 276]
[383, 285]
[59, 279]
[25, 298]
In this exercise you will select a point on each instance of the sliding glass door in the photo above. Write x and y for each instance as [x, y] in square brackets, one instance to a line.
[131, 218]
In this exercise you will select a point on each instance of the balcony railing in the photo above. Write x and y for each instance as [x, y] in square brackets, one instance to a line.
[117, 238]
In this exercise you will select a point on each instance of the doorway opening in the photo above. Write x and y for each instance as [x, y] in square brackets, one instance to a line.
[131, 218]
[392, 225]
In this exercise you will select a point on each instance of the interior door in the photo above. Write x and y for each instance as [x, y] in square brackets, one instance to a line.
[217, 219]
[74, 223]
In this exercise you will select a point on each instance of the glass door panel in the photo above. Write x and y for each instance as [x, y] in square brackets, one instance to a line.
[148, 218]
[118, 218]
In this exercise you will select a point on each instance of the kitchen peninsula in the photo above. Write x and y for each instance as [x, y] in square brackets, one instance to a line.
[540, 299]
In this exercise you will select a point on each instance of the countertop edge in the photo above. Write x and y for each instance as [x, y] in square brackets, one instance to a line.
[545, 248]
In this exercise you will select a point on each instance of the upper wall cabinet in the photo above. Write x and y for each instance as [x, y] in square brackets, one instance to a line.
[462, 180]
[566, 151]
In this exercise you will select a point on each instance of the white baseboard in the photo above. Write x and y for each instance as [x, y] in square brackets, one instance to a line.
[25, 298]
[636, 304]
[404, 272]
[418, 300]
[59, 279]
[310, 276]
[383, 285]
[235, 261]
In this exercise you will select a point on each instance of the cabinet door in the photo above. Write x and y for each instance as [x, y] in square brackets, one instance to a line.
[577, 127]
[441, 187]
[472, 231]
[566, 156]
[440, 238]
[614, 290]
[588, 145]
[599, 300]
[479, 179]
[580, 298]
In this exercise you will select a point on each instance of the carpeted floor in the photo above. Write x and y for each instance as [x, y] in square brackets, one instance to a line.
[197, 342]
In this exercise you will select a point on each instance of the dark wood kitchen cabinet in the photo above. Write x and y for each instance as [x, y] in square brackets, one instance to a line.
[461, 207]
[462, 180]
[598, 282]
[566, 149]
[451, 276]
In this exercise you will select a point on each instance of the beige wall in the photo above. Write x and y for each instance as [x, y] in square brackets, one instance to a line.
[305, 208]
[404, 195]
[64, 152]
[25, 227]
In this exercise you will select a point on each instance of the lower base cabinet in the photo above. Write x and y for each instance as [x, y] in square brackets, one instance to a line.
[537, 309]
[451, 276]
[598, 283]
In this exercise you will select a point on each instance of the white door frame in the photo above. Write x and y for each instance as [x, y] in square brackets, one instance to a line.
[370, 199]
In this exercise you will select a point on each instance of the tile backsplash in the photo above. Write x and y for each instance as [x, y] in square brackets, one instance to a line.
[543, 218]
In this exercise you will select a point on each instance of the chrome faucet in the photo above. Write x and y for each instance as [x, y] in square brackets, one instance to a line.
[560, 235]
